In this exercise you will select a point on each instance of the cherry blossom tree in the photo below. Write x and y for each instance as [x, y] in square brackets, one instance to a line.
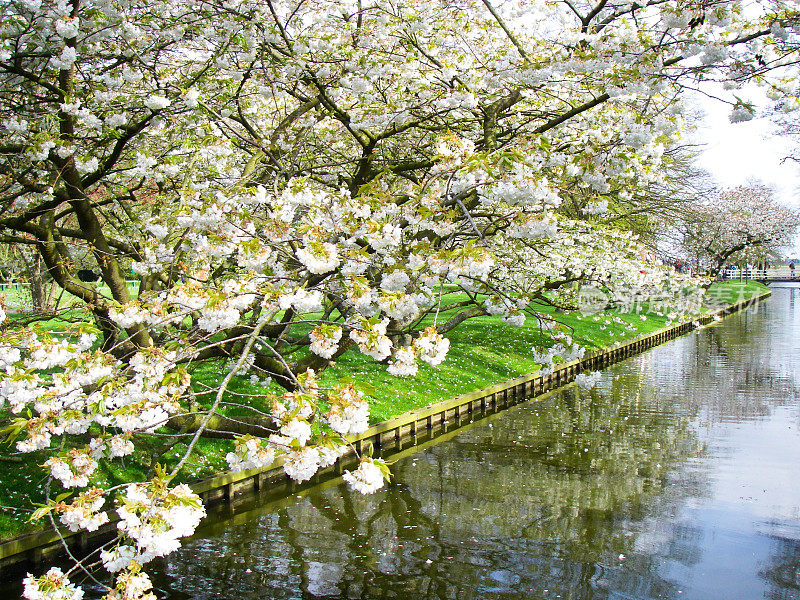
[287, 181]
[737, 223]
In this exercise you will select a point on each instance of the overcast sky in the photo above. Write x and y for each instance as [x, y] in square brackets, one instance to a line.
[736, 152]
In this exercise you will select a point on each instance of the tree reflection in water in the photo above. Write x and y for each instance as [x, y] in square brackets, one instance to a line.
[529, 501]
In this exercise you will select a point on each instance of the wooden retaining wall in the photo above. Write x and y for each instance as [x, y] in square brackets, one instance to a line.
[386, 438]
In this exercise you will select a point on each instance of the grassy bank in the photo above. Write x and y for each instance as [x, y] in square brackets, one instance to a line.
[483, 351]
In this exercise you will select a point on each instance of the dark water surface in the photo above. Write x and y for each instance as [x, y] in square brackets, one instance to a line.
[677, 477]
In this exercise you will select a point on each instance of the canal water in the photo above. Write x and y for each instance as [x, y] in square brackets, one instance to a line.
[677, 477]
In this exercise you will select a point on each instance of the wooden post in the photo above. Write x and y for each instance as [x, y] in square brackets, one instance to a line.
[82, 541]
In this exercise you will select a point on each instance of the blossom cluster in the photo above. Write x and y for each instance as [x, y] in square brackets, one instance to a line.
[250, 453]
[349, 412]
[371, 338]
[325, 340]
[153, 517]
[54, 585]
[84, 511]
[367, 478]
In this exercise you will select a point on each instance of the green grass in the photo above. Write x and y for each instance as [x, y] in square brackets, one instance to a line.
[18, 298]
[731, 292]
[483, 351]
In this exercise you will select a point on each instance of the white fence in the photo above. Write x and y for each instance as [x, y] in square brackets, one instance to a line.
[782, 272]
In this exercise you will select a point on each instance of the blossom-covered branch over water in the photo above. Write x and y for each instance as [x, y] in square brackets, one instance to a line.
[290, 181]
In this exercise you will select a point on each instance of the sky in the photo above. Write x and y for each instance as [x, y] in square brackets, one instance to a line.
[736, 152]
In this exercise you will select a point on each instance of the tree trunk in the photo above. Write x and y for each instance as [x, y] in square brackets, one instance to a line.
[39, 282]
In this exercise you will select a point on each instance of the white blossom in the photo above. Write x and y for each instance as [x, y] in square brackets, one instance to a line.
[36, 441]
[155, 102]
[191, 98]
[156, 517]
[54, 585]
[302, 464]
[319, 258]
[118, 558]
[67, 27]
[404, 363]
[372, 340]
[250, 453]
[217, 318]
[16, 124]
[66, 59]
[116, 120]
[74, 471]
[325, 340]
[366, 479]
[432, 346]
[516, 318]
[396, 281]
[303, 301]
[83, 512]
[349, 413]
[87, 166]
[297, 429]
[119, 446]
[740, 114]
[587, 381]
[599, 207]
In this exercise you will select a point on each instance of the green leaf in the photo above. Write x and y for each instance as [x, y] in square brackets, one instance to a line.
[11, 432]
[387, 474]
[40, 512]
[63, 496]
[368, 388]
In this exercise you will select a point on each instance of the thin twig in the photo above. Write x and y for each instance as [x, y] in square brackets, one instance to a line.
[220, 392]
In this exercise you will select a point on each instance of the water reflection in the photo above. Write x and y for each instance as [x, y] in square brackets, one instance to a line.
[783, 570]
[675, 478]
[529, 503]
